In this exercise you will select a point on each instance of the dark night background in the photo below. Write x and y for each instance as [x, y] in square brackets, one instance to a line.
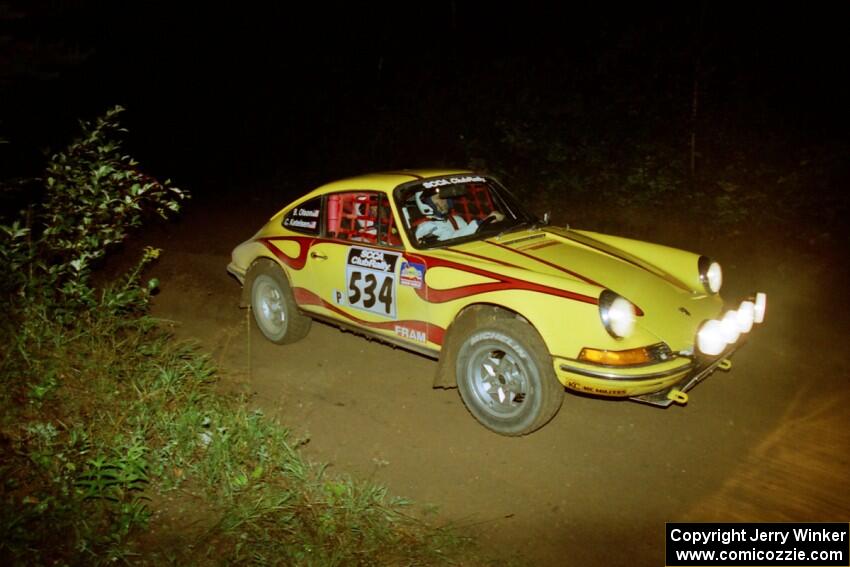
[562, 98]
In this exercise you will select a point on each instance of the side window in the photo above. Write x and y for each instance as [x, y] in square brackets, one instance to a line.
[305, 217]
[362, 216]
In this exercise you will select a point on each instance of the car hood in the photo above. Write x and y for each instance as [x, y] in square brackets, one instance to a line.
[670, 307]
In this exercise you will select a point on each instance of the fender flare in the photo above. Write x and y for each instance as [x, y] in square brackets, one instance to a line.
[470, 318]
[245, 296]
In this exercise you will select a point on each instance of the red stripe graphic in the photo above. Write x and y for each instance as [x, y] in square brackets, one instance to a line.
[494, 260]
[605, 249]
[539, 246]
[542, 261]
[638, 310]
[434, 333]
[296, 263]
[426, 293]
[502, 282]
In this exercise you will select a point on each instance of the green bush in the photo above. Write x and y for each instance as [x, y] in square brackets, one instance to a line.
[94, 196]
[110, 429]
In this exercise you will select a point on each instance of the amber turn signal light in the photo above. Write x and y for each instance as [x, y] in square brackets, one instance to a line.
[615, 357]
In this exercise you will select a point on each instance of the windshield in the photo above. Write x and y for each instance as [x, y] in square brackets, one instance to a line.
[446, 210]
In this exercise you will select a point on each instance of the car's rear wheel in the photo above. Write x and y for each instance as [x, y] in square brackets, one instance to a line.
[275, 312]
[506, 379]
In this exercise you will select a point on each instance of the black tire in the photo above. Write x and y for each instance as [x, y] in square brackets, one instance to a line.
[276, 314]
[505, 377]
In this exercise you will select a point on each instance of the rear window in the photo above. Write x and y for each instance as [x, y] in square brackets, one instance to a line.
[305, 218]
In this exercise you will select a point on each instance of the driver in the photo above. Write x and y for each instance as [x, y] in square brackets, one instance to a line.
[440, 223]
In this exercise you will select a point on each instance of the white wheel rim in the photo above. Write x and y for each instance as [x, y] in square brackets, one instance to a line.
[268, 306]
[499, 381]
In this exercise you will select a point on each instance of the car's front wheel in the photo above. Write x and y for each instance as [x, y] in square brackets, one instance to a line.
[275, 312]
[506, 379]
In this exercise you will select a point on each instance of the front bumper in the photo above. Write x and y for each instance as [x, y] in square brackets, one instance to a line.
[658, 384]
[663, 383]
[678, 392]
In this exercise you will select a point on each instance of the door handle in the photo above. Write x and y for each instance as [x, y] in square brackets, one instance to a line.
[317, 256]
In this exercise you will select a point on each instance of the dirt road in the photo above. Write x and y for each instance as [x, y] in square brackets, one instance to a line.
[766, 441]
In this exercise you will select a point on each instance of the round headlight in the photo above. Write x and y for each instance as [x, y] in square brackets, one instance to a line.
[617, 314]
[710, 274]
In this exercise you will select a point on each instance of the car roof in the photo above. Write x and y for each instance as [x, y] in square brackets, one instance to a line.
[384, 181]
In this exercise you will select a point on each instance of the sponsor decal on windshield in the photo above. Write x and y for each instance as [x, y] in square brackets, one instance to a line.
[453, 181]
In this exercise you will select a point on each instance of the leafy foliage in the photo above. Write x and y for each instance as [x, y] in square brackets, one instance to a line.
[94, 196]
[739, 182]
[110, 430]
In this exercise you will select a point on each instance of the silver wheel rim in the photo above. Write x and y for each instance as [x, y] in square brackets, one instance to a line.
[499, 380]
[268, 306]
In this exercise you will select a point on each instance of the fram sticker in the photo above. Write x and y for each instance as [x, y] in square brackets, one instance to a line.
[412, 275]
[411, 334]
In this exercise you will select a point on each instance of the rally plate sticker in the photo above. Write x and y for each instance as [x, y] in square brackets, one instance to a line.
[370, 280]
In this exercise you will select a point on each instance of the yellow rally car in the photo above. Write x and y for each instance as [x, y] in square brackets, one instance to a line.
[448, 264]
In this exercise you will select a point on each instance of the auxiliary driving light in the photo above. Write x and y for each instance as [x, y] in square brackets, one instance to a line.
[746, 316]
[760, 307]
[729, 327]
[710, 339]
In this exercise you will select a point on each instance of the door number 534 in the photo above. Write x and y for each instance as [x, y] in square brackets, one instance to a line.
[371, 291]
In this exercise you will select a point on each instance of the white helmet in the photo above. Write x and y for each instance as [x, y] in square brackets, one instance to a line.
[426, 206]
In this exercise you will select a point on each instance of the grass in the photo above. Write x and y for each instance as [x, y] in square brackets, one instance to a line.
[114, 445]
[116, 448]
